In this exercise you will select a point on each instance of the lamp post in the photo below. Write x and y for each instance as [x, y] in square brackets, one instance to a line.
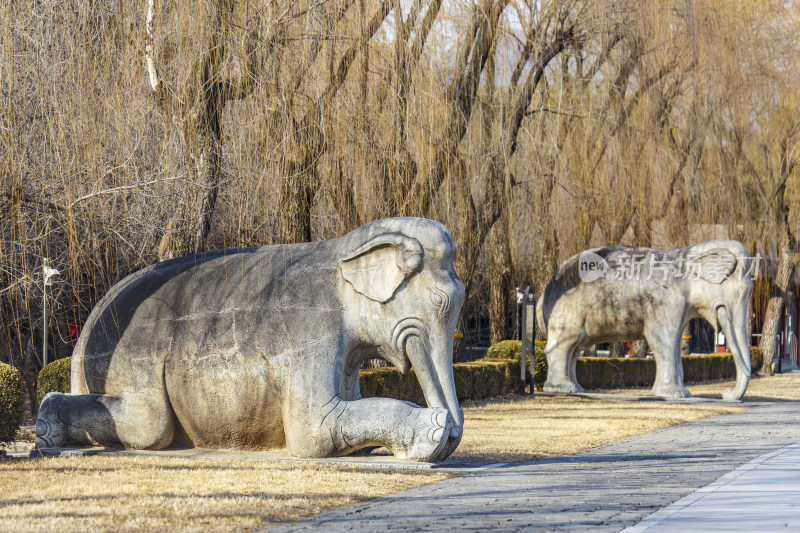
[526, 336]
[48, 274]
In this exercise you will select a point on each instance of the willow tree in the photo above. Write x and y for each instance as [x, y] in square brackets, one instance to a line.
[213, 59]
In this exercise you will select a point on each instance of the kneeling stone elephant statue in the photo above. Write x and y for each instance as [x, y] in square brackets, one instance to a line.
[621, 293]
[261, 348]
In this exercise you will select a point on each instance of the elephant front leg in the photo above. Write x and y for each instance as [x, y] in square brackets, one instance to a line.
[408, 431]
[669, 365]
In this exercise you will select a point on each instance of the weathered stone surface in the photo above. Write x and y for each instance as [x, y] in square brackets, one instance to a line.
[621, 293]
[261, 347]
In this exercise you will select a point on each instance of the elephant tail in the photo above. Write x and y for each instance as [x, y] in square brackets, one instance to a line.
[540, 317]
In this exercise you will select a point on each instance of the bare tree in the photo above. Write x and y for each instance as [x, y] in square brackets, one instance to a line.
[220, 66]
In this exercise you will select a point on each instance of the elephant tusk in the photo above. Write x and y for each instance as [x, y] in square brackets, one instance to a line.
[742, 364]
[419, 355]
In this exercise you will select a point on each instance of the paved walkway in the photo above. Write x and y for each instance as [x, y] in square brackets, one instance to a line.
[763, 495]
[612, 487]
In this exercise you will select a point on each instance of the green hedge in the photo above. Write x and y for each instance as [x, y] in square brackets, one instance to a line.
[709, 367]
[474, 381]
[621, 373]
[53, 378]
[498, 373]
[615, 372]
[388, 382]
[756, 358]
[484, 379]
[12, 400]
[513, 349]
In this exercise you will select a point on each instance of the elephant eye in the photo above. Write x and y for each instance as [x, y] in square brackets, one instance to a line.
[440, 299]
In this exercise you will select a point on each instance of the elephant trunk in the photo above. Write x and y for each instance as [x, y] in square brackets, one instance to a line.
[735, 331]
[434, 372]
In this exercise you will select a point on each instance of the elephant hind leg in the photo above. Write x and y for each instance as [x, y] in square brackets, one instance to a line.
[135, 421]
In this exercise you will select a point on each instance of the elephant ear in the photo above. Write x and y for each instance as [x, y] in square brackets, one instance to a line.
[715, 265]
[377, 268]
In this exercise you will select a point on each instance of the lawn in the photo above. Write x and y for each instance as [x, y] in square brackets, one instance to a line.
[171, 494]
[177, 494]
[529, 429]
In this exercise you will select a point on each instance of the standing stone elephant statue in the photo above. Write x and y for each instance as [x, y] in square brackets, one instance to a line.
[621, 293]
[261, 348]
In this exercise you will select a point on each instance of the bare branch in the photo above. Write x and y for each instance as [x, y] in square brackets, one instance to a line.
[350, 54]
[148, 49]
[523, 99]
[313, 52]
[422, 34]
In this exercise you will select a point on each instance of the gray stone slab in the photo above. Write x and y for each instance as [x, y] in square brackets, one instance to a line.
[606, 489]
[762, 495]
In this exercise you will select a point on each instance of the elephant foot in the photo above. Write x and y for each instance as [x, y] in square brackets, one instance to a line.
[50, 430]
[671, 392]
[456, 432]
[430, 433]
[731, 395]
[563, 387]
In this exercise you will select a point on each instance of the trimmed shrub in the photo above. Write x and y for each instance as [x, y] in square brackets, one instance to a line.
[12, 400]
[615, 372]
[474, 381]
[388, 382]
[53, 378]
[498, 376]
[504, 350]
[619, 373]
[510, 349]
[711, 367]
[513, 349]
[756, 358]
[483, 379]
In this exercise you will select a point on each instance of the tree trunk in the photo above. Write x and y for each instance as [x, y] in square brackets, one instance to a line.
[617, 349]
[188, 233]
[769, 333]
[297, 192]
[639, 348]
[197, 104]
[30, 373]
[499, 281]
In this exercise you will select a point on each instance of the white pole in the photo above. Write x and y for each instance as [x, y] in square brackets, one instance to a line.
[44, 314]
[47, 277]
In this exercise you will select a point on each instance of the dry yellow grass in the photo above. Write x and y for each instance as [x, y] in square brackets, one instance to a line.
[163, 493]
[170, 494]
[525, 429]
[777, 388]
[780, 387]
